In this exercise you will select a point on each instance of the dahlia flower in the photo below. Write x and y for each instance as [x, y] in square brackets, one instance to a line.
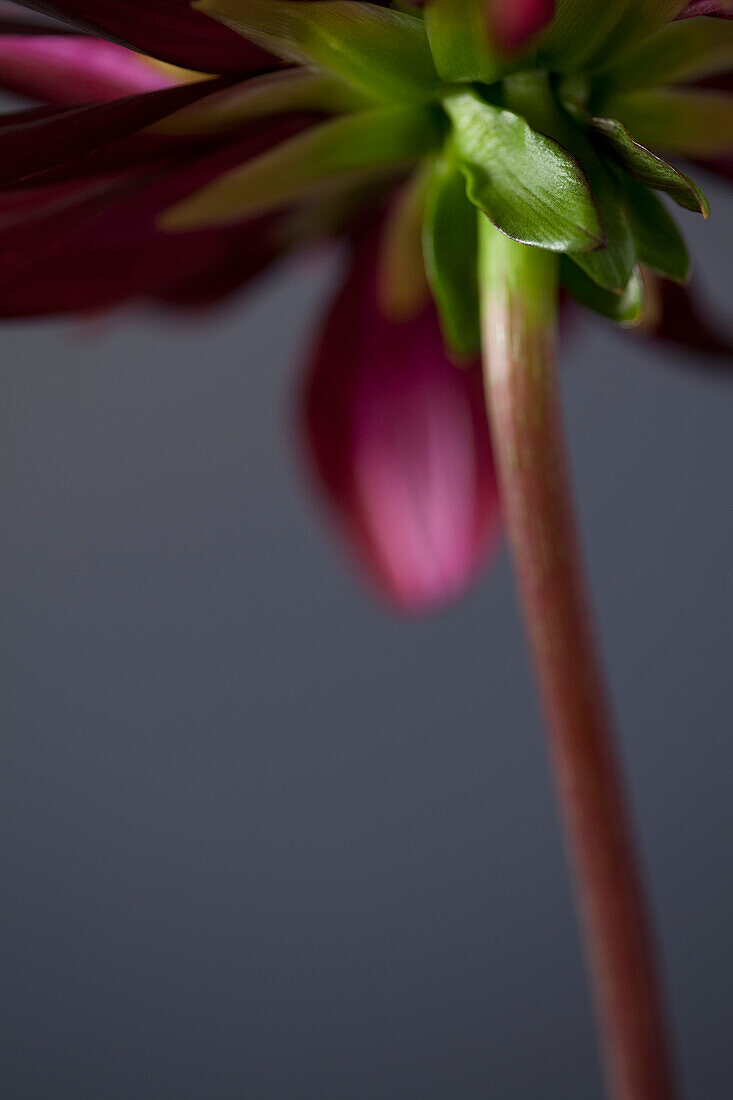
[477, 159]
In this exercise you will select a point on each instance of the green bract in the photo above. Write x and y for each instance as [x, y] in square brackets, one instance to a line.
[529, 187]
[449, 248]
[460, 43]
[551, 142]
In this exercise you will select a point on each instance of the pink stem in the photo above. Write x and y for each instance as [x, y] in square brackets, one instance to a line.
[522, 397]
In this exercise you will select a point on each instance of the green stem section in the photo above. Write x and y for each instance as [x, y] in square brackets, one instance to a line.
[519, 295]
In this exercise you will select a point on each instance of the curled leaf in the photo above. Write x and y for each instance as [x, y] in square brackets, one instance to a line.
[530, 188]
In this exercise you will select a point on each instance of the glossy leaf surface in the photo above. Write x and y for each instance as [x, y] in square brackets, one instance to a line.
[528, 186]
[650, 169]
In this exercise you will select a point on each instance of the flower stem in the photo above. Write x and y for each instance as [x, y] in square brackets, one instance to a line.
[519, 297]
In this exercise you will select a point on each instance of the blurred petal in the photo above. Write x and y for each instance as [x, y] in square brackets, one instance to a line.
[40, 139]
[74, 69]
[397, 437]
[512, 22]
[88, 244]
[682, 323]
[719, 166]
[170, 30]
[722, 8]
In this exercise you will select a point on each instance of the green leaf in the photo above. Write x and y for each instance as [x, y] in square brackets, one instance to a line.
[527, 185]
[586, 35]
[449, 247]
[384, 52]
[610, 266]
[659, 243]
[688, 50]
[262, 97]
[625, 308]
[578, 30]
[650, 169]
[642, 19]
[384, 139]
[458, 35]
[688, 121]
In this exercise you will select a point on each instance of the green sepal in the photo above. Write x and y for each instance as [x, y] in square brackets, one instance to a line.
[382, 51]
[528, 186]
[688, 50]
[586, 36]
[449, 248]
[402, 285]
[459, 39]
[689, 121]
[385, 139]
[659, 243]
[625, 308]
[611, 266]
[648, 168]
[531, 94]
[579, 29]
[293, 89]
[642, 19]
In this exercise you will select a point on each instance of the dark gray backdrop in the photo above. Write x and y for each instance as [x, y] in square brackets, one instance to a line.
[262, 840]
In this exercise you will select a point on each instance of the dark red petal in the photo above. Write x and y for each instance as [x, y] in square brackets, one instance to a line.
[67, 68]
[168, 29]
[92, 243]
[245, 253]
[40, 139]
[719, 166]
[683, 324]
[397, 438]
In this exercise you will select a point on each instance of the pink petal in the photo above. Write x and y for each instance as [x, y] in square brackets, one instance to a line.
[397, 438]
[167, 29]
[74, 69]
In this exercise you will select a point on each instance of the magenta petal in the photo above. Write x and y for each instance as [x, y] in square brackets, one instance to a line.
[168, 29]
[397, 437]
[722, 8]
[74, 69]
[512, 22]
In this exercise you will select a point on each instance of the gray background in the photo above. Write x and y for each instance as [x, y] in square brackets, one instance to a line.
[263, 840]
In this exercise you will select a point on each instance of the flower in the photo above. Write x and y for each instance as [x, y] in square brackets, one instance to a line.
[398, 439]
[179, 149]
